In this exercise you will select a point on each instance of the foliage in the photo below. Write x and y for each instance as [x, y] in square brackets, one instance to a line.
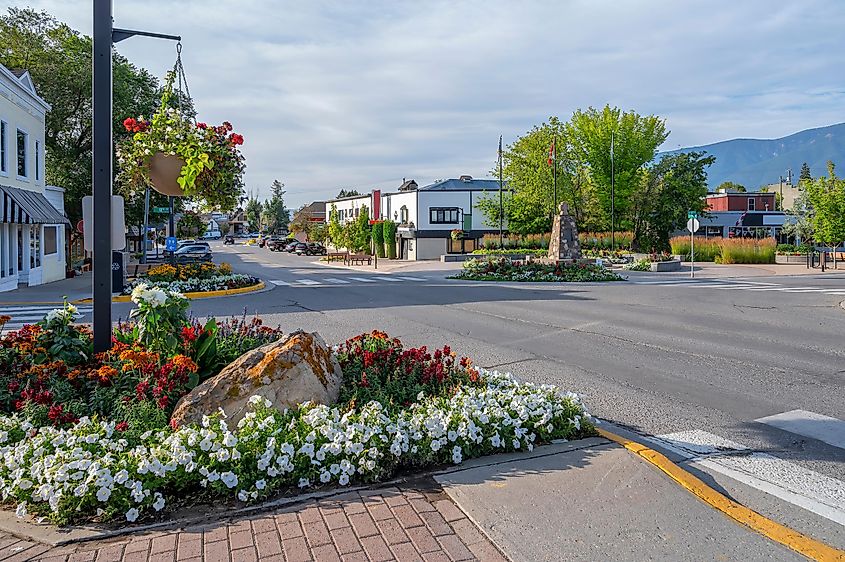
[802, 211]
[505, 269]
[356, 233]
[378, 238]
[731, 186]
[706, 249]
[826, 195]
[347, 193]
[639, 265]
[511, 251]
[805, 173]
[213, 164]
[179, 272]
[604, 240]
[160, 315]
[389, 228]
[335, 229]
[792, 249]
[376, 367]
[668, 190]
[275, 216]
[252, 212]
[219, 282]
[726, 250]
[317, 231]
[190, 224]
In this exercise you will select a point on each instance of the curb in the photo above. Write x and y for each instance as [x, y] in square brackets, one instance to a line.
[790, 538]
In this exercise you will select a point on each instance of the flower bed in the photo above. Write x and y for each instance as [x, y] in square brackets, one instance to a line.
[215, 283]
[167, 273]
[511, 251]
[504, 269]
[87, 436]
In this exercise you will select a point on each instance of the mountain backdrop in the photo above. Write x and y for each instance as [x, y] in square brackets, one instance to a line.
[758, 162]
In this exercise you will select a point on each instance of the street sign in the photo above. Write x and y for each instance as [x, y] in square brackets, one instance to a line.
[693, 225]
[170, 244]
[118, 223]
[692, 214]
[162, 210]
[80, 227]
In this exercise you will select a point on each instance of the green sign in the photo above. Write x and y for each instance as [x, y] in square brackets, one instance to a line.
[161, 209]
[692, 214]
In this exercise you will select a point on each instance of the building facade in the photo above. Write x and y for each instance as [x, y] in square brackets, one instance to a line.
[741, 215]
[32, 221]
[426, 216]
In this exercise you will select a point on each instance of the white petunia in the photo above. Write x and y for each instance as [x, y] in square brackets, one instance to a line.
[230, 479]
[132, 514]
[103, 494]
[158, 505]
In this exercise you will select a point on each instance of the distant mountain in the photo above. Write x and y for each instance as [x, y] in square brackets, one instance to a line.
[758, 162]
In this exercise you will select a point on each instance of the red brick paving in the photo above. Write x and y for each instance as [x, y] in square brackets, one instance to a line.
[375, 525]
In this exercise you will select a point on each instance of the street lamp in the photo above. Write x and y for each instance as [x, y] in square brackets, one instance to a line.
[104, 37]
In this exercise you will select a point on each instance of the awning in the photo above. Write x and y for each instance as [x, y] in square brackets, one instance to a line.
[27, 207]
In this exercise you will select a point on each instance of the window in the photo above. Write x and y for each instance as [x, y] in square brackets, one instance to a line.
[22, 138]
[403, 215]
[51, 243]
[37, 160]
[3, 148]
[35, 246]
[750, 203]
[443, 216]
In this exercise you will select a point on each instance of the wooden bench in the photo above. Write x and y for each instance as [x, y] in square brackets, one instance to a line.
[336, 256]
[357, 259]
[138, 269]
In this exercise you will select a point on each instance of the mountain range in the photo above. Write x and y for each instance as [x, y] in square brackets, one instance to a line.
[758, 162]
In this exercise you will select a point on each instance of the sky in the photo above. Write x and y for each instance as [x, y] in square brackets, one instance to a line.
[361, 94]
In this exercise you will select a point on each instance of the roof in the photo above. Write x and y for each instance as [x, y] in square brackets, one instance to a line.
[457, 184]
[28, 207]
[21, 78]
[315, 207]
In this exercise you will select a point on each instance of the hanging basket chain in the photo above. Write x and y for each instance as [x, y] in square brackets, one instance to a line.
[179, 70]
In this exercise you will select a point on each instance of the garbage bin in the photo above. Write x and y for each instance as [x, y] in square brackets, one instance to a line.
[118, 271]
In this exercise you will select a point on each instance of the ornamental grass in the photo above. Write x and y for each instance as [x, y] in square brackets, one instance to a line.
[726, 250]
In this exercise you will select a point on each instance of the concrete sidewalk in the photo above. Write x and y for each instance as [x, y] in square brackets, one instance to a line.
[73, 289]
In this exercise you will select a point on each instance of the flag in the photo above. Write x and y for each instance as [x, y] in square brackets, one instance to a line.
[741, 217]
[551, 159]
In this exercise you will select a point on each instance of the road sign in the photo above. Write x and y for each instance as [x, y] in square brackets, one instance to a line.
[693, 225]
[170, 244]
[163, 210]
[118, 223]
[692, 214]
[80, 227]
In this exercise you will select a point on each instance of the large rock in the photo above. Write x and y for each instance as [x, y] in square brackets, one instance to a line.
[295, 369]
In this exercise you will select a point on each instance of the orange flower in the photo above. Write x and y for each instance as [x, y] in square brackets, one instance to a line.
[183, 362]
[105, 373]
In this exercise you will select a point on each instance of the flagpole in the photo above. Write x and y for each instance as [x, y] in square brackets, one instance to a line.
[501, 203]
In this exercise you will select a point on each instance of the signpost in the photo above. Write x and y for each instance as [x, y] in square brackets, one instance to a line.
[170, 244]
[161, 210]
[692, 225]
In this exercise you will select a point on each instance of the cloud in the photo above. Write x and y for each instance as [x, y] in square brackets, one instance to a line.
[333, 94]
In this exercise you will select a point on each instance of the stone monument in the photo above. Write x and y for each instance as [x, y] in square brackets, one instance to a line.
[564, 245]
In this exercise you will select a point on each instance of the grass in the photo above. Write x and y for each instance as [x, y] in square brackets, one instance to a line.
[726, 250]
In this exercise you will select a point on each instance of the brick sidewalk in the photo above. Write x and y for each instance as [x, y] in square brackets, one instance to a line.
[383, 524]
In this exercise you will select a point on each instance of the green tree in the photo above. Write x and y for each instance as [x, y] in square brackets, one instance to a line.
[58, 59]
[190, 224]
[317, 231]
[359, 234]
[827, 197]
[275, 216]
[801, 228]
[253, 213]
[805, 173]
[667, 190]
[631, 138]
[347, 193]
[731, 186]
[389, 228]
[378, 238]
[335, 230]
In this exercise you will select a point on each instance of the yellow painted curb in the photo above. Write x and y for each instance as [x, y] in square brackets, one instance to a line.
[807, 546]
[204, 295]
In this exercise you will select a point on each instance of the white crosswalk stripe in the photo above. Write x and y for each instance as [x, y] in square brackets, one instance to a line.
[363, 279]
[335, 281]
[31, 314]
[740, 285]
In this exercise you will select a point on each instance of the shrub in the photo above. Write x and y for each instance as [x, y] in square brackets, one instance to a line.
[389, 228]
[747, 250]
[706, 249]
[505, 269]
[604, 240]
[786, 248]
[378, 238]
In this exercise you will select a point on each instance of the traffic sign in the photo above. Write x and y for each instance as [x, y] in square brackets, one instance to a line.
[170, 244]
[693, 225]
[692, 214]
[161, 210]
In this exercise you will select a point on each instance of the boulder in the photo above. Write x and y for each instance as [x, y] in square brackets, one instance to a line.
[297, 368]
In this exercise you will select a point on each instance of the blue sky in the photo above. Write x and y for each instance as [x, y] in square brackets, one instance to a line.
[355, 94]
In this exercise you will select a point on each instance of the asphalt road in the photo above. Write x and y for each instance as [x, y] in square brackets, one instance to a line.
[657, 354]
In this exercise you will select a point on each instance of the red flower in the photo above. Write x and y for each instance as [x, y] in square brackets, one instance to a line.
[130, 124]
[122, 426]
[162, 402]
[364, 382]
[202, 126]
[227, 125]
[189, 334]
[236, 139]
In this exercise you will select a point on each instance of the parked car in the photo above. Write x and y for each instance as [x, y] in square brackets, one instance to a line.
[292, 246]
[316, 249]
[277, 243]
[229, 239]
[193, 253]
[212, 235]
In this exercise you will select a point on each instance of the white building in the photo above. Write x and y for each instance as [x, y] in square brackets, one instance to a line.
[32, 221]
[426, 216]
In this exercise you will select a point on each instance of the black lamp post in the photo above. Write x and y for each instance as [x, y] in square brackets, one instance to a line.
[104, 37]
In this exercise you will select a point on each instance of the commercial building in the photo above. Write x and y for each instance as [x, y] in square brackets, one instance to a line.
[32, 221]
[742, 215]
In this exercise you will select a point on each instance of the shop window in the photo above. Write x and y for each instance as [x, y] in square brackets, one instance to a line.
[51, 245]
[3, 148]
[22, 141]
[443, 215]
[35, 247]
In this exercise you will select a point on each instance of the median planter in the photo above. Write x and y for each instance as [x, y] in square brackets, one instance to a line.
[794, 259]
[672, 265]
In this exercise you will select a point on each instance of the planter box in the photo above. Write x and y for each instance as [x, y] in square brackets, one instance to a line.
[790, 259]
[674, 265]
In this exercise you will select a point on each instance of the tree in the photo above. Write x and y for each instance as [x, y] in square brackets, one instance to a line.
[190, 224]
[253, 213]
[317, 231]
[274, 215]
[335, 230]
[731, 186]
[360, 233]
[300, 221]
[667, 191]
[633, 139]
[826, 195]
[378, 238]
[347, 193]
[389, 228]
[805, 173]
[802, 211]
[58, 59]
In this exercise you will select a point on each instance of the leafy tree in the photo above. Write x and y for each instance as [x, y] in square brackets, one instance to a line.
[802, 211]
[58, 59]
[805, 173]
[667, 190]
[378, 238]
[389, 228]
[317, 231]
[253, 213]
[634, 139]
[360, 232]
[275, 216]
[335, 230]
[347, 193]
[300, 221]
[190, 224]
[731, 186]
[827, 197]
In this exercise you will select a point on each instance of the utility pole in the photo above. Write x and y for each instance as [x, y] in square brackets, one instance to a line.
[104, 36]
[612, 199]
[501, 201]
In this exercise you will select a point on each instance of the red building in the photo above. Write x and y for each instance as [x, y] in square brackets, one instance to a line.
[740, 201]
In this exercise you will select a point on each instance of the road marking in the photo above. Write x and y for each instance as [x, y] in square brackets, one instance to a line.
[788, 481]
[410, 278]
[734, 287]
[363, 279]
[307, 282]
[280, 283]
[336, 281]
[391, 279]
[809, 424]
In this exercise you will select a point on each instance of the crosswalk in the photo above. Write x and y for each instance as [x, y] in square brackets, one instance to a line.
[767, 471]
[740, 285]
[337, 281]
[30, 314]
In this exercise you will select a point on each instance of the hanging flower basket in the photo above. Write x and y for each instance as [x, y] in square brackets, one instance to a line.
[457, 234]
[175, 156]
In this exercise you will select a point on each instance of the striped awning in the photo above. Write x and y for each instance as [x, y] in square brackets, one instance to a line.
[27, 207]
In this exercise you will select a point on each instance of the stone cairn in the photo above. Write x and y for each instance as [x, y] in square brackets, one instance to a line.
[564, 245]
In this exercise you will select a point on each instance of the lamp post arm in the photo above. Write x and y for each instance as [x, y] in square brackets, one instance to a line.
[118, 35]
